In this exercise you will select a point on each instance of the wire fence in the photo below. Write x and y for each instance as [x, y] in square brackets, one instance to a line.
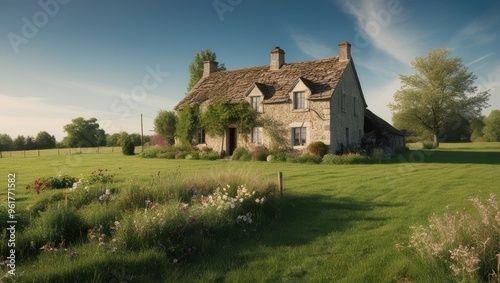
[64, 151]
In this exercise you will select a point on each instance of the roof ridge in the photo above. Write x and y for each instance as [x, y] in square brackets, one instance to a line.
[286, 64]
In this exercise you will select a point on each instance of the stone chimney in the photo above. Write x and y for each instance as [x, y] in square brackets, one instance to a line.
[277, 58]
[344, 51]
[209, 67]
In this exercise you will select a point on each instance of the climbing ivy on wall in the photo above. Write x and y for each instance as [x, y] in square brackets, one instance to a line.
[215, 118]
[188, 120]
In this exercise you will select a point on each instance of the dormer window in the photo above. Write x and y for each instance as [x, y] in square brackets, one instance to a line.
[299, 100]
[255, 103]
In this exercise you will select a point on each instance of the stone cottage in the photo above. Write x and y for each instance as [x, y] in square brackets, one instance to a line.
[318, 100]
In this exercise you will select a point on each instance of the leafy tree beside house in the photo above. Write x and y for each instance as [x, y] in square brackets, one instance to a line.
[164, 124]
[439, 91]
[196, 67]
[187, 121]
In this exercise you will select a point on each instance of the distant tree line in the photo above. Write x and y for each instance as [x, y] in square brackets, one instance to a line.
[80, 133]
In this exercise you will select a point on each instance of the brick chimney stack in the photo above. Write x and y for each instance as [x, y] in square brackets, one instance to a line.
[209, 67]
[277, 58]
[344, 51]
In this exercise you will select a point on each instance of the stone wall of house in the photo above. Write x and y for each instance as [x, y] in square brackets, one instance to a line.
[325, 120]
[347, 112]
[315, 118]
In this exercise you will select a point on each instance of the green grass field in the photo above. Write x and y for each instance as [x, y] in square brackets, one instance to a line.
[335, 223]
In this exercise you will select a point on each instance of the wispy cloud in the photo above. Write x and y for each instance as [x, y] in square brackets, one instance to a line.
[480, 59]
[477, 33]
[309, 45]
[38, 115]
[384, 28]
[91, 87]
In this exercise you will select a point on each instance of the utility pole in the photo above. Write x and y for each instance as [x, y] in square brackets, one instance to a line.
[142, 136]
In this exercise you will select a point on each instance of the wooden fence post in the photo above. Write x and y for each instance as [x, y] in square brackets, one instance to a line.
[280, 183]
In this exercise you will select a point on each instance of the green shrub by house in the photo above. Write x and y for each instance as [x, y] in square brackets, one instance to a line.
[318, 148]
[239, 152]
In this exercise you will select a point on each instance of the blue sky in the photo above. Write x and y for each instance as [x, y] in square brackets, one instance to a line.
[113, 60]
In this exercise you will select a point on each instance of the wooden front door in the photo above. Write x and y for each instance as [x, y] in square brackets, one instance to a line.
[232, 140]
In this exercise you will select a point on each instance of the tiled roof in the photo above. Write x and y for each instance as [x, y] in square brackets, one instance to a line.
[320, 76]
[381, 123]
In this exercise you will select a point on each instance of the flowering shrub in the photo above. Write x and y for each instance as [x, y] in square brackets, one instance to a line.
[467, 243]
[246, 218]
[170, 225]
[38, 186]
[109, 242]
[100, 176]
[59, 182]
[222, 200]
[159, 140]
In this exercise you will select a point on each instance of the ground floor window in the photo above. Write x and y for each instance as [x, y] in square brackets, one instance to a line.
[200, 136]
[299, 136]
[257, 135]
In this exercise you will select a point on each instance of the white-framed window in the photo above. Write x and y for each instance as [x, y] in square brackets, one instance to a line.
[299, 100]
[257, 135]
[255, 103]
[200, 136]
[299, 136]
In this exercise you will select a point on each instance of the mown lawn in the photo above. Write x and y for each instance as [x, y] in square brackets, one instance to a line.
[335, 223]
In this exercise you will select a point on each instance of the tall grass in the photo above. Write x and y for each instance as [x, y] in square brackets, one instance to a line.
[468, 244]
[333, 224]
[176, 214]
